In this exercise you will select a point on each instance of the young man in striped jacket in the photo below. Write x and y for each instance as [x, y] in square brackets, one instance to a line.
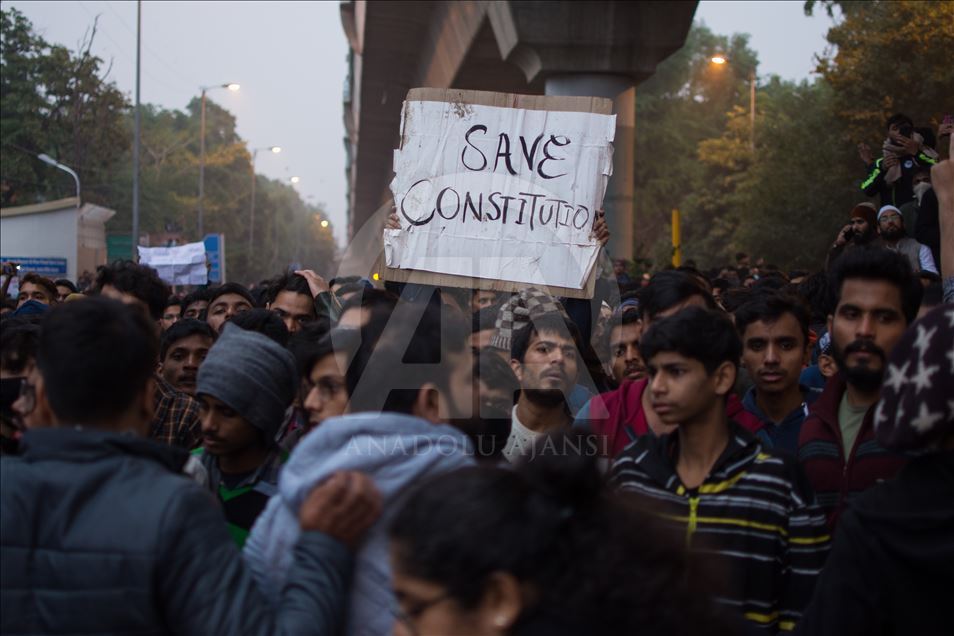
[746, 510]
[877, 297]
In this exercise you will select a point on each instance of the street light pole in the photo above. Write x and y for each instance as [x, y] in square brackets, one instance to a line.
[45, 158]
[136, 140]
[752, 110]
[232, 87]
[251, 211]
[201, 162]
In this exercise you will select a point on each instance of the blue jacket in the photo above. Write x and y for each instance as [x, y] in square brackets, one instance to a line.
[782, 435]
[101, 535]
[396, 451]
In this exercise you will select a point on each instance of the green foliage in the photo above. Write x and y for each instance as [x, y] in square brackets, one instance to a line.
[59, 104]
[786, 201]
[890, 57]
[62, 105]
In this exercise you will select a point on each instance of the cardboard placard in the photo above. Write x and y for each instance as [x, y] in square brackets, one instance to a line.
[499, 191]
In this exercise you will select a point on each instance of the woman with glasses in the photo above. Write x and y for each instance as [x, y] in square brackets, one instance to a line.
[543, 549]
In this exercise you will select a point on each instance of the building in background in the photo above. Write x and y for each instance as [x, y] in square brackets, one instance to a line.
[57, 237]
[596, 49]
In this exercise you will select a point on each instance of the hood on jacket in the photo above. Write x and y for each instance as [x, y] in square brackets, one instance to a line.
[396, 451]
[393, 448]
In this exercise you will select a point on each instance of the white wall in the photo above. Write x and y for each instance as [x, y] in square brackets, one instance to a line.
[43, 235]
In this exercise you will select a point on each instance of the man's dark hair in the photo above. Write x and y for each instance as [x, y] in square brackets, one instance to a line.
[85, 346]
[350, 288]
[552, 322]
[287, 282]
[344, 280]
[231, 288]
[308, 352]
[670, 288]
[735, 297]
[627, 318]
[41, 281]
[769, 307]
[721, 284]
[879, 264]
[19, 339]
[933, 294]
[814, 291]
[180, 330]
[898, 119]
[379, 302]
[263, 321]
[137, 280]
[485, 318]
[173, 301]
[66, 282]
[740, 256]
[700, 334]
[195, 296]
[396, 368]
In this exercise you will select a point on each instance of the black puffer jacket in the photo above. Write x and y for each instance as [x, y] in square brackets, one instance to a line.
[100, 535]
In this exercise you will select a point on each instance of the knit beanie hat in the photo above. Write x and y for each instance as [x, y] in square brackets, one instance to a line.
[888, 208]
[865, 211]
[916, 408]
[519, 310]
[253, 375]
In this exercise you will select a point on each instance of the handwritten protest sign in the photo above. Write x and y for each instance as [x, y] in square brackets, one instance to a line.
[499, 191]
[179, 265]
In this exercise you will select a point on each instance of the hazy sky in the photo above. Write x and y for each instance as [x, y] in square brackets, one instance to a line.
[290, 58]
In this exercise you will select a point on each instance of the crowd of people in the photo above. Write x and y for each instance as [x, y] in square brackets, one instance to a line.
[732, 451]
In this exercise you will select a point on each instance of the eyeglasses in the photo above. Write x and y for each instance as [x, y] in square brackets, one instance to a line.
[408, 617]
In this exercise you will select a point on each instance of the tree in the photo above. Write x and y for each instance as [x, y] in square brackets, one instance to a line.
[888, 57]
[60, 104]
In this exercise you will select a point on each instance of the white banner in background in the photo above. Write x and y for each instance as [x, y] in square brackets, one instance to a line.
[179, 265]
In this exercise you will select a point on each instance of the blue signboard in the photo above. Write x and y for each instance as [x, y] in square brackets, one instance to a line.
[215, 255]
[49, 267]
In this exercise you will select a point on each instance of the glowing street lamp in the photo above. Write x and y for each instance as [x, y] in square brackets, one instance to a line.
[324, 223]
[719, 60]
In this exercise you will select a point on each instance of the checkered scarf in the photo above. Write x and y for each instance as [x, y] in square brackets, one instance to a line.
[519, 310]
[916, 409]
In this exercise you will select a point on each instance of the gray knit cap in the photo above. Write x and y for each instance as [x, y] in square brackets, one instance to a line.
[253, 375]
[519, 310]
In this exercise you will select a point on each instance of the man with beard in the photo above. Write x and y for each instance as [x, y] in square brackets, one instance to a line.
[891, 226]
[182, 349]
[861, 229]
[544, 357]
[877, 297]
[626, 362]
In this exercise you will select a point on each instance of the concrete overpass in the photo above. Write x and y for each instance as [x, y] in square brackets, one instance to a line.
[598, 48]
